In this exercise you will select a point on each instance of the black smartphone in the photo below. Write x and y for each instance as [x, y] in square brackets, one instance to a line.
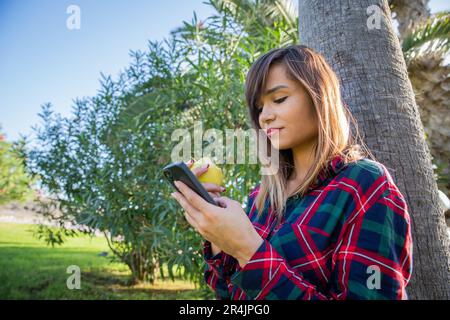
[180, 171]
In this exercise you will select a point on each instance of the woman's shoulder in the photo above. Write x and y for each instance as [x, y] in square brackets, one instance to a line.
[366, 166]
[367, 174]
[364, 172]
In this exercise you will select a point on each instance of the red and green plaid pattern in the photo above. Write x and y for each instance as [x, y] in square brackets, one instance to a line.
[349, 237]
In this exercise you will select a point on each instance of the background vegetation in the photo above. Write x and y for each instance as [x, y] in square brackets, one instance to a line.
[101, 167]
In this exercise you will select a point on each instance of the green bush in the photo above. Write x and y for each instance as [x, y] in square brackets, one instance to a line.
[15, 183]
[103, 165]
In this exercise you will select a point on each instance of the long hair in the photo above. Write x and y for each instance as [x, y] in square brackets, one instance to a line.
[335, 137]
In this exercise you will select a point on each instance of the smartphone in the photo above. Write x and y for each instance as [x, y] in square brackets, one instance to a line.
[180, 171]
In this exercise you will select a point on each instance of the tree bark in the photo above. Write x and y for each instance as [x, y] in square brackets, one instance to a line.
[409, 14]
[377, 90]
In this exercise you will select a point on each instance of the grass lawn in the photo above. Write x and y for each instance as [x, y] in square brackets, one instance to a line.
[29, 269]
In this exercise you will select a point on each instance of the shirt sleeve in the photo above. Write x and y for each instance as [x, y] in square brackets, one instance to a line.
[372, 258]
[218, 270]
[220, 267]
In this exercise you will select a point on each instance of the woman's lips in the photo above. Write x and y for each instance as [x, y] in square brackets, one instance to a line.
[271, 132]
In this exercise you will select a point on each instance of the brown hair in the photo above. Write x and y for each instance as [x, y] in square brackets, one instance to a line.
[335, 138]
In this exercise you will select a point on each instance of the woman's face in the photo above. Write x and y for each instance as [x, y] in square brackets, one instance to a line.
[290, 108]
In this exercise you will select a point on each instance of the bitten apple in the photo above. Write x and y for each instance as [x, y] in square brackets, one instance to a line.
[212, 175]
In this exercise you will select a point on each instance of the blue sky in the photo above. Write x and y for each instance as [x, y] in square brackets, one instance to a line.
[41, 60]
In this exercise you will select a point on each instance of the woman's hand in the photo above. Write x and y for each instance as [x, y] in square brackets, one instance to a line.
[227, 226]
[213, 190]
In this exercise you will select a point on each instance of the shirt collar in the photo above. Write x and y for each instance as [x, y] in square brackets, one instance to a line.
[331, 169]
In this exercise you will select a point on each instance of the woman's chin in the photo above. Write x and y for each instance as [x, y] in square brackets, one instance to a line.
[277, 144]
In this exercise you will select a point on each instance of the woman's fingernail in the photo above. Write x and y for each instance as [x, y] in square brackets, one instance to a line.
[222, 188]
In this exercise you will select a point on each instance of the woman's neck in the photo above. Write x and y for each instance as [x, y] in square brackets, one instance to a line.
[303, 160]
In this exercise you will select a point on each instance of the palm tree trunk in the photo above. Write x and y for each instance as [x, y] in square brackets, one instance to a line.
[377, 90]
[409, 13]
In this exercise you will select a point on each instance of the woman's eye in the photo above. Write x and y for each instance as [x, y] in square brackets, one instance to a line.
[280, 100]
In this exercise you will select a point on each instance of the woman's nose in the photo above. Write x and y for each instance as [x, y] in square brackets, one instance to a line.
[266, 116]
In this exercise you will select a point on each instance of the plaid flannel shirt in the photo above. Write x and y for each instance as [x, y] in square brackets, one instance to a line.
[349, 237]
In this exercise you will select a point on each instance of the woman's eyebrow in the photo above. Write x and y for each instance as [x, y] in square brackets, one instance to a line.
[281, 86]
[275, 89]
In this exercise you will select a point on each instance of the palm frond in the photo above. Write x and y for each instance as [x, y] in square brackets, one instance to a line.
[256, 15]
[433, 36]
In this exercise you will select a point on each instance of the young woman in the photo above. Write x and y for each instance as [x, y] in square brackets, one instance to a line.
[330, 224]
